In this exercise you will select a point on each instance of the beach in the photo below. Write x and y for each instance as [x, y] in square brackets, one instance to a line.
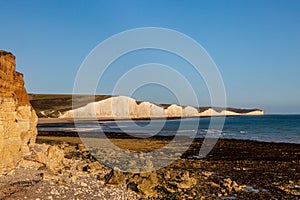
[256, 157]
[234, 169]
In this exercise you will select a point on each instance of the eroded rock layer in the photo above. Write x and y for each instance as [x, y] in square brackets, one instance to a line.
[17, 118]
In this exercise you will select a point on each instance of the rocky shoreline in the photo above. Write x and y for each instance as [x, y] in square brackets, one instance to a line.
[235, 169]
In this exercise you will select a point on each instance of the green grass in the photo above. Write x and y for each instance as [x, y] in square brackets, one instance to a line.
[48, 96]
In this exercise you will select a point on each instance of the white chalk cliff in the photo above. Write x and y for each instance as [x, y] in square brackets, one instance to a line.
[122, 107]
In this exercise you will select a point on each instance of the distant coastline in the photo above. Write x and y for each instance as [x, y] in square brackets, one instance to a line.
[121, 108]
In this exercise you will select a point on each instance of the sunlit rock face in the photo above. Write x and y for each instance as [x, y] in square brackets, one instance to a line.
[173, 111]
[122, 107]
[150, 110]
[209, 112]
[190, 111]
[17, 118]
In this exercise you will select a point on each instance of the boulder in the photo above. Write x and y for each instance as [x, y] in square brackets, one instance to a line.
[115, 177]
[53, 158]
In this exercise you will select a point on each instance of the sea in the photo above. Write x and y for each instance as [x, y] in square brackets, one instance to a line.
[265, 128]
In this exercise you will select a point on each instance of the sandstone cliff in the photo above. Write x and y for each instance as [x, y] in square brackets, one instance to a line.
[17, 118]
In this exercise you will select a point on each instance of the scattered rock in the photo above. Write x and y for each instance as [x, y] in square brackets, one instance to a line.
[115, 177]
[186, 181]
[146, 183]
[206, 174]
[83, 184]
[52, 158]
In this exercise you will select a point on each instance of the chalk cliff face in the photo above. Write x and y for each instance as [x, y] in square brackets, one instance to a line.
[149, 110]
[190, 111]
[17, 118]
[122, 107]
[239, 112]
[174, 110]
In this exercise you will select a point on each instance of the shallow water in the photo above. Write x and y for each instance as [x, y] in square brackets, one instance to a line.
[267, 128]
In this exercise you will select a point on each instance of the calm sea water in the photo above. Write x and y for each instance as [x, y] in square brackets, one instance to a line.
[268, 128]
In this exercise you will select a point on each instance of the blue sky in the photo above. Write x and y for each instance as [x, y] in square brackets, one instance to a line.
[255, 44]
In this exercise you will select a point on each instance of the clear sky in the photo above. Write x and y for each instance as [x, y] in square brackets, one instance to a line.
[255, 44]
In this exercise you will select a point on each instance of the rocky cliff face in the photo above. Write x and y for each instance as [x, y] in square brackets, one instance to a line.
[17, 118]
[122, 107]
[108, 107]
